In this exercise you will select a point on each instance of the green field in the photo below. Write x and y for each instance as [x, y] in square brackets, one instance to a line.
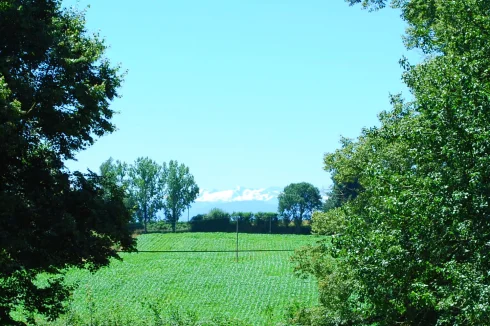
[146, 288]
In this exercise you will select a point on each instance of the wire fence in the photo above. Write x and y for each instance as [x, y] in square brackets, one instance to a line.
[190, 251]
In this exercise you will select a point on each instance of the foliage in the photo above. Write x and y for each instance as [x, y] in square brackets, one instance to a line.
[217, 214]
[146, 287]
[244, 219]
[341, 192]
[116, 172]
[298, 201]
[179, 192]
[218, 220]
[146, 189]
[329, 223]
[164, 226]
[415, 245]
[55, 91]
[266, 221]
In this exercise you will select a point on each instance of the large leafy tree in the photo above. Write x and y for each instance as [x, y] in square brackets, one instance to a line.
[414, 249]
[298, 201]
[180, 190]
[146, 188]
[55, 90]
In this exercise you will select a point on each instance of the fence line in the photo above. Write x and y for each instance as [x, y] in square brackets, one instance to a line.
[201, 251]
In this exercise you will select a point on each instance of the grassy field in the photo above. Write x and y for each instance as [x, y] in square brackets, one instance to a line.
[153, 288]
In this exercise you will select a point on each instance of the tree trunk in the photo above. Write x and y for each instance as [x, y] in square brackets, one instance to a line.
[297, 224]
[174, 219]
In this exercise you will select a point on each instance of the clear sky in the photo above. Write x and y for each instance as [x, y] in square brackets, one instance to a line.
[246, 93]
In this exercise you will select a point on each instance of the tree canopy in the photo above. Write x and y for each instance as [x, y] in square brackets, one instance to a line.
[179, 192]
[146, 188]
[55, 91]
[297, 202]
[414, 247]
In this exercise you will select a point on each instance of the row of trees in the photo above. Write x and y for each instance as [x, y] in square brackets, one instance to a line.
[217, 220]
[150, 188]
[411, 244]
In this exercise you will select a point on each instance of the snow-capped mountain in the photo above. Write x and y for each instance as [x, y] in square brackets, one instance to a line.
[239, 194]
[239, 199]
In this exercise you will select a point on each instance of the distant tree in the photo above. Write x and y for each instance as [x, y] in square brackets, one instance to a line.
[146, 189]
[117, 172]
[217, 214]
[179, 192]
[243, 217]
[55, 93]
[266, 221]
[298, 201]
[198, 217]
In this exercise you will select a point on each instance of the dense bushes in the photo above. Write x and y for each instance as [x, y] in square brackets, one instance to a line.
[220, 221]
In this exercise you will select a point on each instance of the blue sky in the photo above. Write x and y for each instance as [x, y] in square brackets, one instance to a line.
[246, 93]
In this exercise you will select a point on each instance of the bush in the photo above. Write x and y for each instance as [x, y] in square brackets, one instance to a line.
[164, 226]
[329, 223]
[216, 220]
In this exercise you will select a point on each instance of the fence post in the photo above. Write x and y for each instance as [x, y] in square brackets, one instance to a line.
[237, 239]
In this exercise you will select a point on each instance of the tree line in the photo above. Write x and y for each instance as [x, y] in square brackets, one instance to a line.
[218, 220]
[150, 188]
[296, 204]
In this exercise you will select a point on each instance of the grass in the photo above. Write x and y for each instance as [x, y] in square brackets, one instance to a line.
[153, 288]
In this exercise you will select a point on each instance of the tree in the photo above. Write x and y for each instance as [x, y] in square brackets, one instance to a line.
[146, 189]
[244, 218]
[266, 221]
[180, 190]
[298, 201]
[217, 214]
[414, 249]
[55, 91]
[341, 192]
[117, 172]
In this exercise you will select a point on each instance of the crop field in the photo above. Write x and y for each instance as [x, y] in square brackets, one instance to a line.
[149, 288]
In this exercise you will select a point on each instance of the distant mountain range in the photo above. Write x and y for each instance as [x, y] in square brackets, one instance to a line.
[239, 199]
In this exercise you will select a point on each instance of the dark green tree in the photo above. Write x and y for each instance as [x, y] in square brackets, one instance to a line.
[341, 192]
[298, 201]
[244, 218]
[266, 221]
[55, 90]
[217, 214]
[180, 190]
[414, 249]
[146, 189]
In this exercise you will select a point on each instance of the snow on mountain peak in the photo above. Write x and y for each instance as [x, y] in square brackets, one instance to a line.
[238, 194]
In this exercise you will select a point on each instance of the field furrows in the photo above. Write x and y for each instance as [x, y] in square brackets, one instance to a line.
[258, 287]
